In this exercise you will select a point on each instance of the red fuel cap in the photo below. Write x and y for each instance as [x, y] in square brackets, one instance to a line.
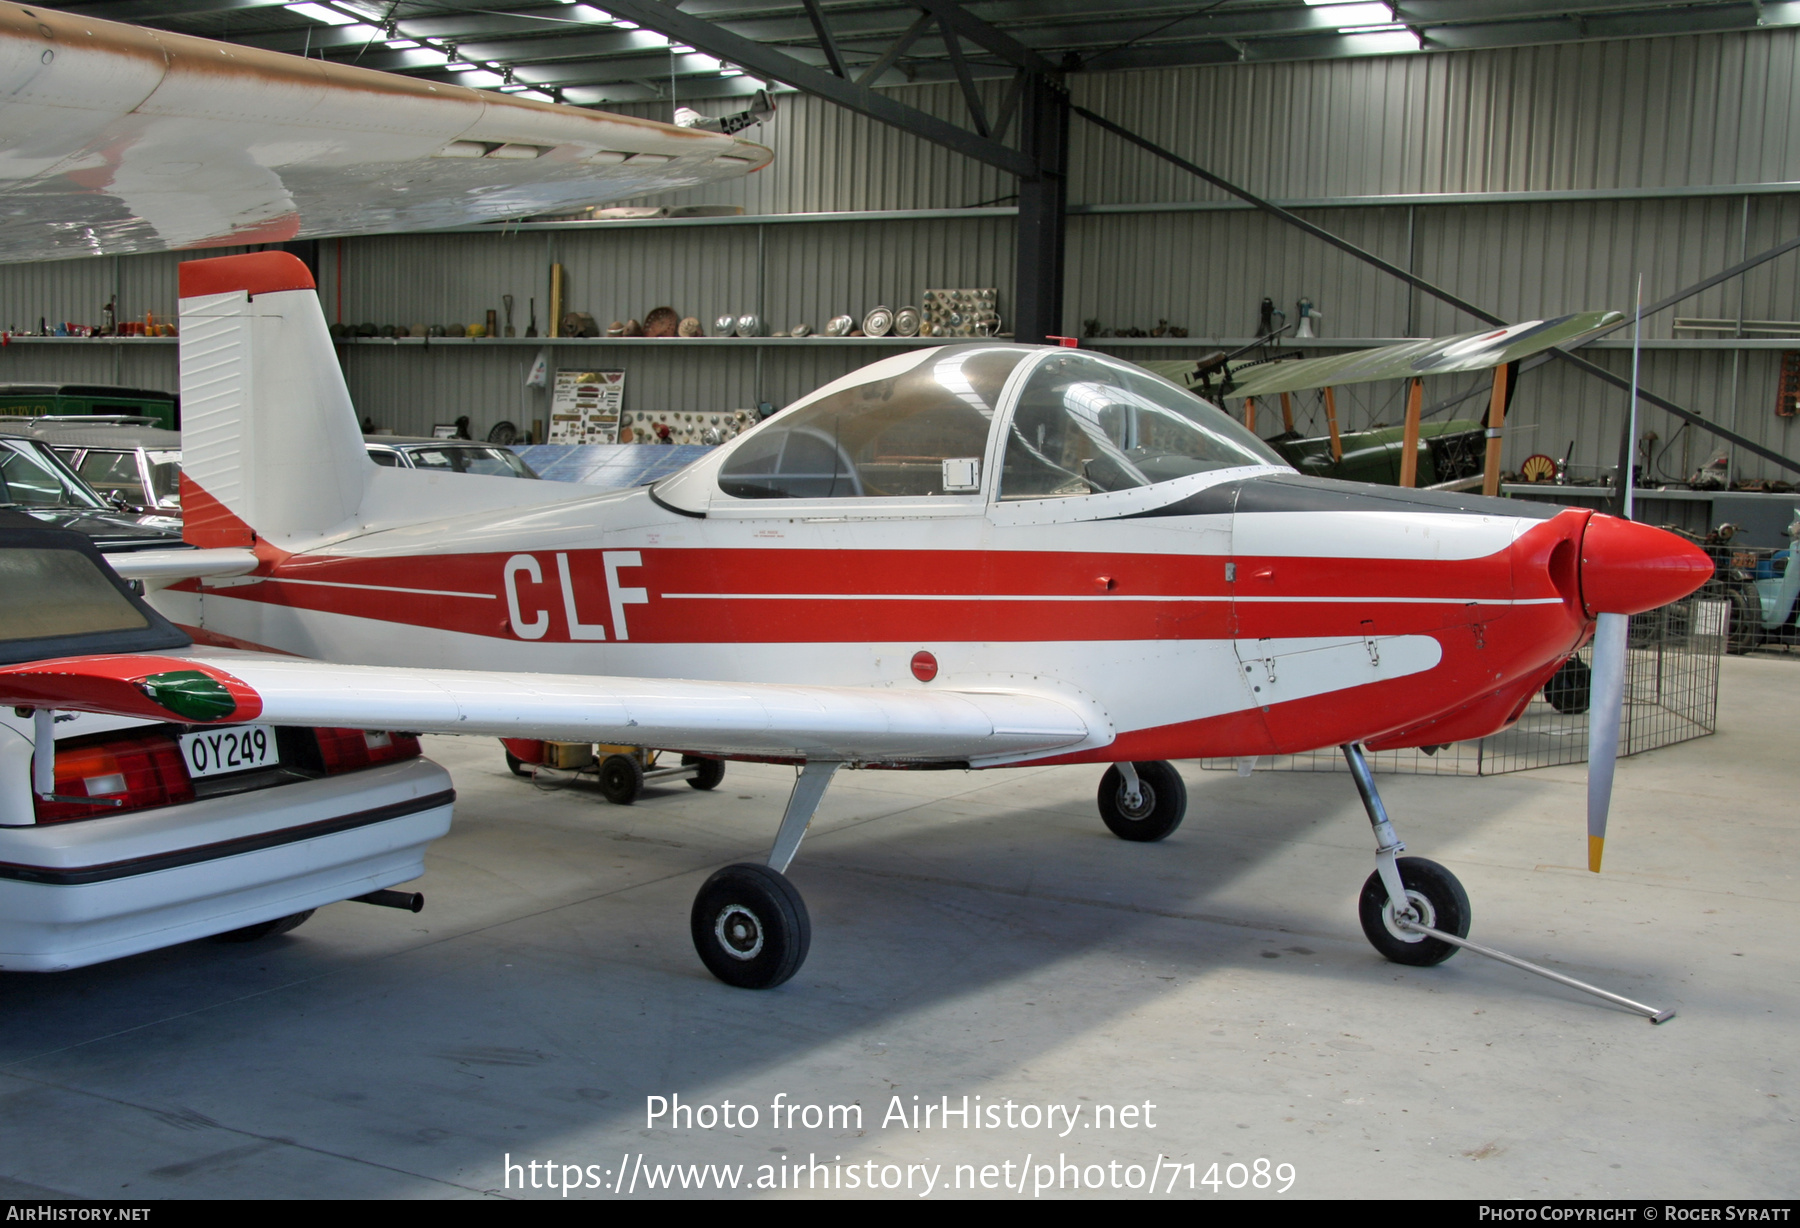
[924, 666]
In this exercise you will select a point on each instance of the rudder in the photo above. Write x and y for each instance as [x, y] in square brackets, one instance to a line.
[271, 447]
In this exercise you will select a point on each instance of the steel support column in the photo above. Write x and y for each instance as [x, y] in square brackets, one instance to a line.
[1043, 199]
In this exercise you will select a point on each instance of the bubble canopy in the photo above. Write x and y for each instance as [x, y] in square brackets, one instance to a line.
[1058, 423]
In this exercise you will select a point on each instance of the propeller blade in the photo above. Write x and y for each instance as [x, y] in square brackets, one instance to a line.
[1606, 705]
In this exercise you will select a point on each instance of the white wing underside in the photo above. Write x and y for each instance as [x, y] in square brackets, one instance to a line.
[851, 724]
[118, 139]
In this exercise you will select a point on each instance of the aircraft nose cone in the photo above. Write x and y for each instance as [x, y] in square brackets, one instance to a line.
[1627, 568]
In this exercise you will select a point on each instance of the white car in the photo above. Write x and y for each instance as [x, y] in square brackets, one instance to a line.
[144, 835]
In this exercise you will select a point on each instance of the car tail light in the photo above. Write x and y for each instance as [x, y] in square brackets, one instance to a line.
[138, 773]
[347, 750]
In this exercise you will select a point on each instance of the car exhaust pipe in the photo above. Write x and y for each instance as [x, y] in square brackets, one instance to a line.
[411, 901]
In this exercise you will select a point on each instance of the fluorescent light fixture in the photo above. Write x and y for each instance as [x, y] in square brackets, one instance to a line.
[318, 12]
[588, 13]
[1385, 28]
[625, 25]
[462, 66]
[513, 89]
[1390, 42]
[402, 44]
[681, 49]
[481, 80]
[731, 72]
[1341, 15]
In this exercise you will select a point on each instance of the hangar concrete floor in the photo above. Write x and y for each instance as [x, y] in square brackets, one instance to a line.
[977, 935]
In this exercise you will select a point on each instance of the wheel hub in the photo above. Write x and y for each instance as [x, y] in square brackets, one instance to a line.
[1146, 801]
[1422, 914]
[739, 933]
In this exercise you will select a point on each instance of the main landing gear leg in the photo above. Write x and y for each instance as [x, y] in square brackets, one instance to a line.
[1433, 922]
[749, 924]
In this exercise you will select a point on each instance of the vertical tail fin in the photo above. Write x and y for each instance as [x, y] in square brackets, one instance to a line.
[271, 447]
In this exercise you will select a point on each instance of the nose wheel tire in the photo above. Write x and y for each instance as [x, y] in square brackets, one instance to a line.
[621, 779]
[750, 926]
[1161, 804]
[1438, 900]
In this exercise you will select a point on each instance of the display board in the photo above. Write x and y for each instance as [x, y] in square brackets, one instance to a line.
[585, 405]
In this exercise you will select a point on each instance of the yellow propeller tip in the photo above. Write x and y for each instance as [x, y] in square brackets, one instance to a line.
[1596, 846]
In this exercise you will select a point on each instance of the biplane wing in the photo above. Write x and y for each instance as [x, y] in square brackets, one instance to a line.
[118, 139]
[1477, 351]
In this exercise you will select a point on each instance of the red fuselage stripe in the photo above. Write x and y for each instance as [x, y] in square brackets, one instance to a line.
[817, 596]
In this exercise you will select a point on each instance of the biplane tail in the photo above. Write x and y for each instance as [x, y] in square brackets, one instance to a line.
[271, 446]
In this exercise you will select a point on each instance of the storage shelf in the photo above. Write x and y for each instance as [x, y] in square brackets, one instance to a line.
[1092, 343]
[18, 339]
[742, 219]
[434, 342]
[1390, 201]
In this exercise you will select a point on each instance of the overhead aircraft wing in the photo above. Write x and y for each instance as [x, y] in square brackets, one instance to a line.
[849, 724]
[118, 139]
[1478, 351]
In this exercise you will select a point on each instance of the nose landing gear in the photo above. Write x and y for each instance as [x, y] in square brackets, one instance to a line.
[1433, 922]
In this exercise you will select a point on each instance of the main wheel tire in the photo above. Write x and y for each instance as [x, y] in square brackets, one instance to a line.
[1439, 900]
[516, 765]
[1570, 687]
[1162, 801]
[750, 926]
[621, 779]
[264, 929]
[709, 772]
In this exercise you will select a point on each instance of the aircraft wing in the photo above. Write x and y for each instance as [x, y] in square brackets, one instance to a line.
[1491, 347]
[118, 139]
[851, 724]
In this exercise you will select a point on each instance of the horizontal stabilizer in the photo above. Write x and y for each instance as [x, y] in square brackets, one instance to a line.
[161, 568]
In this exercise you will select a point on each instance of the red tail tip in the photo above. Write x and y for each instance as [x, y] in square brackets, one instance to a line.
[254, 273]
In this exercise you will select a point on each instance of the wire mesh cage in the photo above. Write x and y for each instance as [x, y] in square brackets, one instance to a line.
[1671, 695]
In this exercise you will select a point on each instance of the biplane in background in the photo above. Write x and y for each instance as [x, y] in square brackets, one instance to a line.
[1448, 455]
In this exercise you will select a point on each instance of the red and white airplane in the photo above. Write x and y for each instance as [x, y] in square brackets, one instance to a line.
[979, 555]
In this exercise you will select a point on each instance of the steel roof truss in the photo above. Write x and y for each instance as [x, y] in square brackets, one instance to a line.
[775, 64]
[826, 42]
[898, 49]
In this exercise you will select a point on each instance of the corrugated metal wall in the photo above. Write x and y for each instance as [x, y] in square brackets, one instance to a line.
[1675, 112]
